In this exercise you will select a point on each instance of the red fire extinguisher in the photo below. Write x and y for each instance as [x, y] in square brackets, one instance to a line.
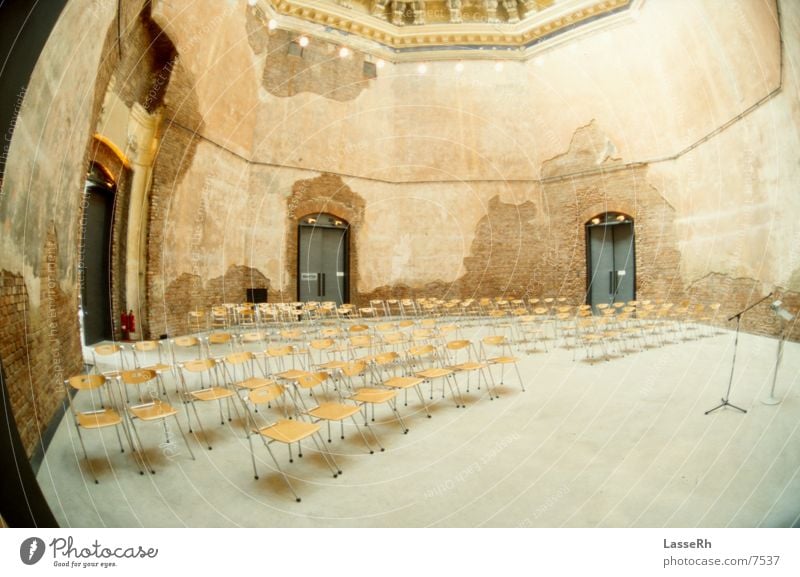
[131, 323]
[124, 318]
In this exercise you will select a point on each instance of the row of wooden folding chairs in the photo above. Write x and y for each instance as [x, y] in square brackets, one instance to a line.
[385, 374]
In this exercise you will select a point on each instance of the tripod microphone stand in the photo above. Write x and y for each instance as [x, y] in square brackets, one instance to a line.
[738, 317]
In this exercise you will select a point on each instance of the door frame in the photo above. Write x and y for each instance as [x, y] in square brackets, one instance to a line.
[607, 219]
[103, 184]
[319, 216]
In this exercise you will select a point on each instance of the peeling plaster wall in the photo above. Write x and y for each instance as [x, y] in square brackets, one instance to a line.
[40, 209]
[450, 166]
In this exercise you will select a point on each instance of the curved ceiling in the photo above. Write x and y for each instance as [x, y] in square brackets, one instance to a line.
[439, 29]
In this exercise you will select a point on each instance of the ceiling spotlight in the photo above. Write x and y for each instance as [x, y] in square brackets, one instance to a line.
[379, 63]
[498, 66]
[303, 41]
[272, 24]
[344, 52]
[422, 68]
[459, 66]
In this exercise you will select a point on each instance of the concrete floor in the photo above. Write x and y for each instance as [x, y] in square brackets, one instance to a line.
[622, 443]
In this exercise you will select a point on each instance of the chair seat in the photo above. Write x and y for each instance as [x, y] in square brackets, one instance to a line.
[503, 360]
[370, 395]
[434, 373]
[254, 383]
[153, 411]
[286, 431]
[293, 374]
[99, 419]
[332, 365]
[158, 368]
[333, 411]
[212, 394]
[112, 374]
[403, 382]
[468, 366]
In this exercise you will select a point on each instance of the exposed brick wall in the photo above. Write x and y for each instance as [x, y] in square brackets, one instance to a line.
[736, 294]
[176, 151]
[189, 292]
[319, 70]
[40, 347]
[538, 247]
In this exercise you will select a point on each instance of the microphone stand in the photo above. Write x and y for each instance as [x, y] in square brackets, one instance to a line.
[738, 317]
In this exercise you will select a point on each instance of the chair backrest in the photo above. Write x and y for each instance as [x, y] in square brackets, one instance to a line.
[280, 351]
[361, 341]
[255, 337]
[219, 338]
[86, 382]
[495, 340]
[107, 350]
[458, 345]
[137, 376]
[265, 394]
[146, 346]
[321, 344]
[312, 380]
[422, 350]
[385, 358]
[185, 342]
[354, 368]
[199, 365]
[239, 358]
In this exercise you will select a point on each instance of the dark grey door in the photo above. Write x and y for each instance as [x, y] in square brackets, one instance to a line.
[96, 290]
[322, 264]
[611, 263]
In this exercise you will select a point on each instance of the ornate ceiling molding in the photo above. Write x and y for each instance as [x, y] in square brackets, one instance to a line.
[444, 29]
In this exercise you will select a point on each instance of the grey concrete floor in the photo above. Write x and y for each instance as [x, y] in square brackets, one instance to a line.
[619, 443]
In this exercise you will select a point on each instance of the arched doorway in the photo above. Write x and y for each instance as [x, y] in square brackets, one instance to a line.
[323, 259]
[610, 259]
[95, 257]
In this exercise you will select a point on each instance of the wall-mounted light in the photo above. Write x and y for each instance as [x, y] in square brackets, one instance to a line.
[252, 2]
[272, 24]
[498, 66]
[338, 222]
[459, 66]
[344, 52]
[422, 68]
[303, 41]
[311, 220]
[620, 217]
[379, 63]
[595, 221]
[781, 312]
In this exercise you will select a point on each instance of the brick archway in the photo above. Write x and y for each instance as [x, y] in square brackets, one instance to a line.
[325, 194]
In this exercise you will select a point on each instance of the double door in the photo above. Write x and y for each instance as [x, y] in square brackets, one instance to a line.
[322, 264]
[611, 262]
